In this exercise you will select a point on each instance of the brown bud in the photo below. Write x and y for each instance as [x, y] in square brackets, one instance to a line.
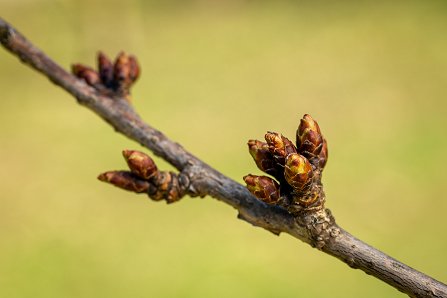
[262, 156]
[309, 139]
[125, 180]
[140, 164]
[322, 157]
[134, 72]
[167, 187]
[298, 171]
[86, 73]
[122, 72]
[105, 69]
[279, 146]
[263, 187]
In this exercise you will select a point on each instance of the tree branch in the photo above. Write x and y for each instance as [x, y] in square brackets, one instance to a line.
[204, 180]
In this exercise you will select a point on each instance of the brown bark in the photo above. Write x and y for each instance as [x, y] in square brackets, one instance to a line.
[315, 228]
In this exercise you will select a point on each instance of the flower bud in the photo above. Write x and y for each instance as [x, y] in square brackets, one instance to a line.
[309, 139]
[263, 187]
[86, 73]
[134, 71]
[298, 171]
[262, 156]
[105, 69]
[122, 72]
[279, 146]
[125, 180]
[140, 164]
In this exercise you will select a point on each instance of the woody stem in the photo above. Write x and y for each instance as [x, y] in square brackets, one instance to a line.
[205, 180]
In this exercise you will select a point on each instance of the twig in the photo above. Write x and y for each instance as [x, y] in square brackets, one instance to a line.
[204, 180]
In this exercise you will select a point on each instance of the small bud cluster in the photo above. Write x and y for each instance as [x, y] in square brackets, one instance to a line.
[296, 167]
[111, 78]
[144, 177]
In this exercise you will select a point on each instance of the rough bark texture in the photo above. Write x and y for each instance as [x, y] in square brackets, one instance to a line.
[315, 228]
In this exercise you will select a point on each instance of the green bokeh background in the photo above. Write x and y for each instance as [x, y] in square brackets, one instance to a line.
[374, 74]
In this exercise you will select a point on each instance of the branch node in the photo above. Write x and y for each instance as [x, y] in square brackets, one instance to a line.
[144, 177]
[320, 226]
[296, 167]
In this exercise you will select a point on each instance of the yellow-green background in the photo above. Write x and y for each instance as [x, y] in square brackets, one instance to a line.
[374, 74]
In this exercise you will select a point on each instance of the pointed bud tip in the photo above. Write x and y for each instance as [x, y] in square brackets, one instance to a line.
[140, 164]
[75, 67]
[103, 177]
[256, 144]
[103, 60]
[272, 135]
[122, 57]
[274, 139]
[298, 171]
[308, 137]
[249, 179]
[125, 180]
[127, 153]
[251, 143]
[298, 163]
[308, 122]
[135, 155]
[307, 117]
[264, 188]
[89, 75]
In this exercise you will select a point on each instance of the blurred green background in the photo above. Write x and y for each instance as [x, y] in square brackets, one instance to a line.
[214, 75]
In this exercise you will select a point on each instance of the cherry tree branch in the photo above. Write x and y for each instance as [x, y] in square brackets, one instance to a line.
[204, 180]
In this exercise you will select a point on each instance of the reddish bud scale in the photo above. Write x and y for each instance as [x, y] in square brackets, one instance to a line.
[125, 180]
[166, 187]
[263, 187]
[140, 164]
[105, 69]
[298, 172]
[262, 156]
[86, 73]
[323, 156]
[279, 146]
[122, 72]
[307, 122]
[309, 199]
[134, 71]
[309, 139]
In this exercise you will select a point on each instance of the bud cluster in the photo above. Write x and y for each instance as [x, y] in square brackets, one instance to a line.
[296, 167]
[115, 78]
[144, 177]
